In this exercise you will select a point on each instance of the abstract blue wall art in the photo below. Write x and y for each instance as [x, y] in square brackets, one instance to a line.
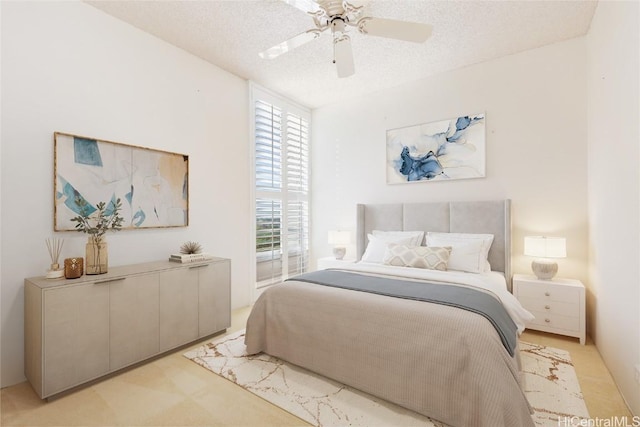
[152, 184]
[438, 151]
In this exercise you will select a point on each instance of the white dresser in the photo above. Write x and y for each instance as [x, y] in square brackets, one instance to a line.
[557, 304]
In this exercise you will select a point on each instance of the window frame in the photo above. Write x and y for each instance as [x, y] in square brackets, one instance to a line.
[287, 107]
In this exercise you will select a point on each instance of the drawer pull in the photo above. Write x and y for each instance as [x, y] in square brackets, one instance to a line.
[199, 266]
[547, 307]
[547, 320]
[110, 280]
[547, 294]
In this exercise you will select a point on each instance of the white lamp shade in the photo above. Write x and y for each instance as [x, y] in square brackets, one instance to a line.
[339, 238]
[545, 247]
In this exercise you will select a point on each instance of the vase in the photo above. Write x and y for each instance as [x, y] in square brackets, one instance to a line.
[97, 259]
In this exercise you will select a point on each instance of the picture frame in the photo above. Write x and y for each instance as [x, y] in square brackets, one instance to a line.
[444, 150]
[153, 185]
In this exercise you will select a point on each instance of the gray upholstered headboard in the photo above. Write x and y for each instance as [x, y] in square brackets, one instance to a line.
[492, 217]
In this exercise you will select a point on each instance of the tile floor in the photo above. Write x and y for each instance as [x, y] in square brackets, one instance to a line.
[173, 391]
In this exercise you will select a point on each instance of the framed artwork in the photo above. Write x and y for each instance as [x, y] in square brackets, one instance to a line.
[437, 151]
[151, 184]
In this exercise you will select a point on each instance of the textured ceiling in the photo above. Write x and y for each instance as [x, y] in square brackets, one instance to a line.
[230, 34]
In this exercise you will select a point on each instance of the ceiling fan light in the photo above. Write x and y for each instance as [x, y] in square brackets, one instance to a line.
[337, 25]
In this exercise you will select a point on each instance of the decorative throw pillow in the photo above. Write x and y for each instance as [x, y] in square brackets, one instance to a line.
[430, 257]
[469, 251]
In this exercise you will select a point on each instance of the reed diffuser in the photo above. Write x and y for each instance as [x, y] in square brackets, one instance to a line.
[54, 246]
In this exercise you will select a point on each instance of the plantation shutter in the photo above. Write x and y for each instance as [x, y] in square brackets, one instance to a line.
[297, 186]
[281, 153]
[268, 234]
[268, 147]
[298, 240]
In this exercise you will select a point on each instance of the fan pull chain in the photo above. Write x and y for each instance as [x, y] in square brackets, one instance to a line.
[334, 50]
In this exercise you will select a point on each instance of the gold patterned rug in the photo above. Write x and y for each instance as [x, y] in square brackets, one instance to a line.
[550, 384]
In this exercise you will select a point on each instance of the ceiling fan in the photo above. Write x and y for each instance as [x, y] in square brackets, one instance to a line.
[338, 15]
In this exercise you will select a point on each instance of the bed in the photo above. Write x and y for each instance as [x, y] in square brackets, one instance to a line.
[450, 363]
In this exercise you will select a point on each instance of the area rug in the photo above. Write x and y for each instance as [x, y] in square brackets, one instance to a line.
[550, 384]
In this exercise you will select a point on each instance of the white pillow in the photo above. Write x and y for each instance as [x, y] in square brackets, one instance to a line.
[377, 247]
[430, 257]
[394, 236]
[469, 251]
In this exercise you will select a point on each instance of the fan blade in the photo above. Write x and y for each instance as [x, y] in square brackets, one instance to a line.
[343, 56]
[391, 28]
[307, 6]
[290, 44]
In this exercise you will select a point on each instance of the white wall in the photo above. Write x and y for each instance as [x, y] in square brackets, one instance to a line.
[535, 105]
[69, 67]
[614, 189]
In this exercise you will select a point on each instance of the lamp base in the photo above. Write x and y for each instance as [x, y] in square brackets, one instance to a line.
[544, 269]
[339, 252]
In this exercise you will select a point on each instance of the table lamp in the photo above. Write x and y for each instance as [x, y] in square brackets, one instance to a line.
[339, 239]
[545, 249]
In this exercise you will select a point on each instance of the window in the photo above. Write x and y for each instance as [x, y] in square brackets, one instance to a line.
[281, 187]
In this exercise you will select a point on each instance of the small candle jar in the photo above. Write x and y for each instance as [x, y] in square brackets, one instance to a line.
[73, 267]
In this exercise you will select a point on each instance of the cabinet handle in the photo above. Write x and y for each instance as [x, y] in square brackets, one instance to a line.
[547, 294]
[547, 320]
[110, 280]
[199, 266]
[547, 307]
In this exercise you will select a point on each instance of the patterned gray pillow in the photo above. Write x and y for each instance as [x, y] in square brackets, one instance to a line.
[430, 257]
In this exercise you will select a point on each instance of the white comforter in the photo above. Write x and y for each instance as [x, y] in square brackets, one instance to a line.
[492, 282]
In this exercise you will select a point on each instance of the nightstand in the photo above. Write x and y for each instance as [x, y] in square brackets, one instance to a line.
[558, 304]
[331, 262]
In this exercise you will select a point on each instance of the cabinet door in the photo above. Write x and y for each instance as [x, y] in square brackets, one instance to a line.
[76, 335]
[178, 307]
[214, 309]
[134, 308]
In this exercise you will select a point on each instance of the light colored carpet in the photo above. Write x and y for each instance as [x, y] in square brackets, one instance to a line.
[550, 384]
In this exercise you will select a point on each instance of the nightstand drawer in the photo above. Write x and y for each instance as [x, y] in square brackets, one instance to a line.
[556, 321]
[562, 308]
[549, 292]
